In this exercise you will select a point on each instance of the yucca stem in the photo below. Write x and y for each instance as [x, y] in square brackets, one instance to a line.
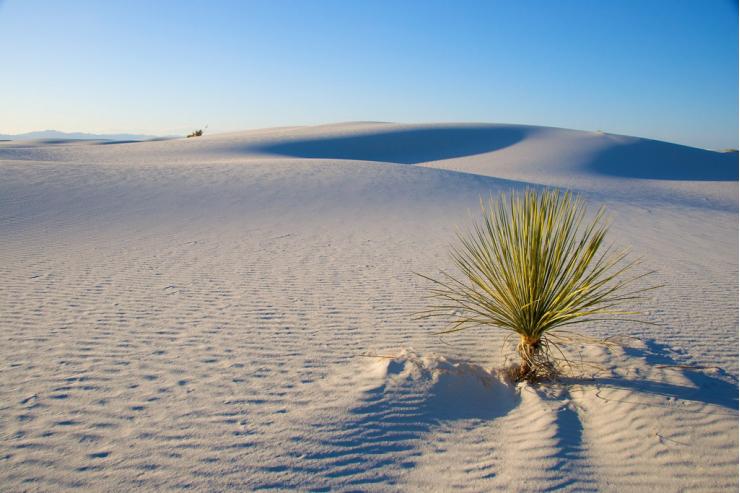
[528, 348]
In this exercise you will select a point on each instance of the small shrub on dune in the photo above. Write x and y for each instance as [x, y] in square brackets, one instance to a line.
[535, 266]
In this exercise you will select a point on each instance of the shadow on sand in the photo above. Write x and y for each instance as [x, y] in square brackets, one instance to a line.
[716, 387]
[381, 435]
[630, 158]
[720, 389]
[652, 159]
[402, 146]
[386, 426]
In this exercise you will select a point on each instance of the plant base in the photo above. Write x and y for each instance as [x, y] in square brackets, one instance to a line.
[536, 364]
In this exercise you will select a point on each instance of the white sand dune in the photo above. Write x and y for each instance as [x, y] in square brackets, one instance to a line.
[197, 314]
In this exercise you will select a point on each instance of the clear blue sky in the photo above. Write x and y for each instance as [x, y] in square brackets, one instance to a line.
[659, 69]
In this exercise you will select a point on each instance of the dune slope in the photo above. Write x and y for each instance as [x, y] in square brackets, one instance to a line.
[203, 314]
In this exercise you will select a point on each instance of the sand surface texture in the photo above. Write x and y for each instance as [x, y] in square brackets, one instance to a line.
[195, 314]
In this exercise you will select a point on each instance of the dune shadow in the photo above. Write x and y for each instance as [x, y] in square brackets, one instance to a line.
[651, 159]
[411, 146]
[133, 141]
[61, 141]
[114, 142]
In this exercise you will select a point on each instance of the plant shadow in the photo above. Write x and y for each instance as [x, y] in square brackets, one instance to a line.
[381, 436]
[715, 387]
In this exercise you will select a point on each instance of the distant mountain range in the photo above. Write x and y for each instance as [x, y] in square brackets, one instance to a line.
[55, 134]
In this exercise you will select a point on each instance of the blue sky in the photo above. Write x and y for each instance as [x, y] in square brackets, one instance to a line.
[665, 70]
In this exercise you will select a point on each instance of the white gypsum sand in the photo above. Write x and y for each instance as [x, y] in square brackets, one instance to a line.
[196, 314]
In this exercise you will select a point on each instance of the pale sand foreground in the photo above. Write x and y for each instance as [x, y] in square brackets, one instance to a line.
[191, 314]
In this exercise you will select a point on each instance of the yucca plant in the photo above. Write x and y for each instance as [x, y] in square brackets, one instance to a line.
[534, 266]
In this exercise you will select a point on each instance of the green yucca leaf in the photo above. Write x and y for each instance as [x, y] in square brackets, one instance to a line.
[532, 265]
